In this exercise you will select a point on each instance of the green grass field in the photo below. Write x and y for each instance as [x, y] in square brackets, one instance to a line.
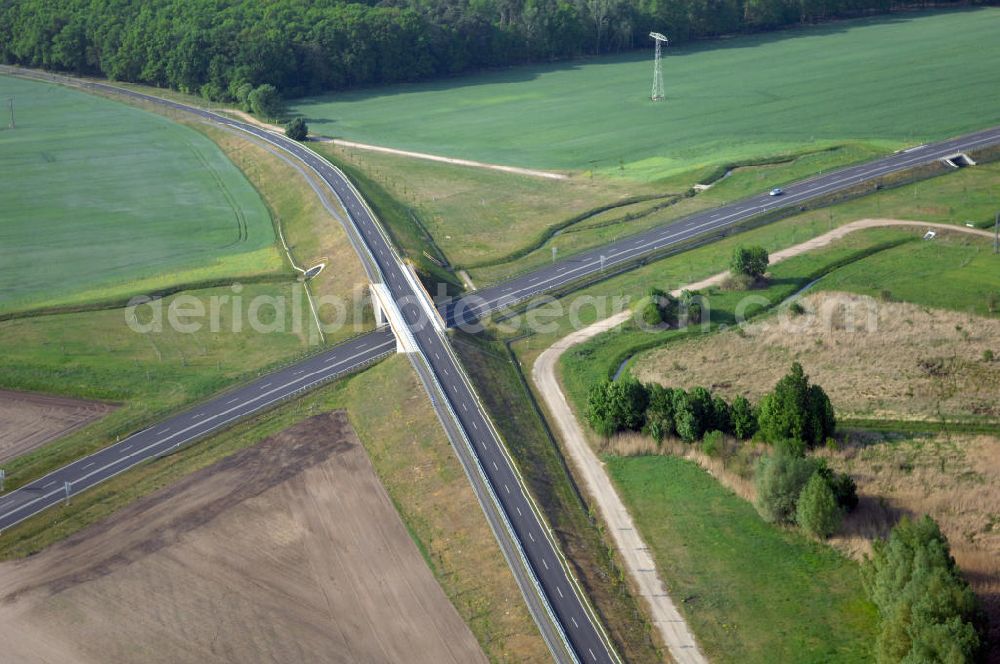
[751, 592]
[102, 200]
[897, 80]
[497, 224]
[959, 273]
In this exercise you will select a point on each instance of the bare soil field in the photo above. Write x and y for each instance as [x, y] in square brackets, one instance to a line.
[288, 551]
[875, 359]
[30, 420]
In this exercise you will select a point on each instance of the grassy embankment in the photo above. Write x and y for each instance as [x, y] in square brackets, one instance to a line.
[950, 199]
[751, 592]
[587, 549]
[953, 271]
[497, 224]
[414, 462]
[855, 263]
[95, 354]
[102, 201]
[727, 101]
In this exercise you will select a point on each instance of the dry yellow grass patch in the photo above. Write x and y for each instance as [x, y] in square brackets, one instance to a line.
[954, 479]
[874, 359]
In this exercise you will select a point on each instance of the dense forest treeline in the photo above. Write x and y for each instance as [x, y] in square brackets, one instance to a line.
[214, 47]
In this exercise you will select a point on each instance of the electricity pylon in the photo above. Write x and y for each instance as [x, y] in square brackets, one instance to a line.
[657, 94]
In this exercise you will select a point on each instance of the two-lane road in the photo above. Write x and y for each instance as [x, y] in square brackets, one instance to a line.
[560, 594]
[180, 429]
[561, 600]
[629, 249]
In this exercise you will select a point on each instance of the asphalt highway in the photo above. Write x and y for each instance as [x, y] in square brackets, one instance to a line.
[195, 423]
[563, 601]
[475, 305]
[563, 598]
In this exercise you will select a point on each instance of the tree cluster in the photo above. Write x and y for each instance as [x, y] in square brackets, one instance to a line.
[660, 307]
[626, 404]
[796, 413]
[928, 612]
[297, 129]
[748, 265]
[795, 489]
[217, 47]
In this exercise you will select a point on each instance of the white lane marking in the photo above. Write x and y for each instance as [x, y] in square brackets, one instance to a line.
[506, 487]
[474, 425]
[531, 536]
[518, 510]
[464, 407]
[545, 563]
[265, 386]
[743, 209]
[559, 590]
[45, 486]
[495, 467]
[436, 356]
[232, 401]
[445, 371]
[88, 465]
[592, 655]
[575, 624]
[199, 416]
[164, 430]
[21, 507]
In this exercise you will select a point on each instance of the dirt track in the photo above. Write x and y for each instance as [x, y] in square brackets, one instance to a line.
[289, 551]
[517, 170]
[29, 420]
[587, 466]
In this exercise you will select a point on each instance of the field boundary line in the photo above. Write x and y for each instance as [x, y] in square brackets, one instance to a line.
[454, 161]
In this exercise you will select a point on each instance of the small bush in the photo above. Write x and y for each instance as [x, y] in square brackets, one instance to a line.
[987, 355]
[738, 282]
[816, 511]
[751, 262]
[796, 309]
[297, 129]
[712, 443]
[265, 101]
[780, 478]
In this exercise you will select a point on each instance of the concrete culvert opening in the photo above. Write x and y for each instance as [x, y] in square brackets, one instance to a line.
[959, 160]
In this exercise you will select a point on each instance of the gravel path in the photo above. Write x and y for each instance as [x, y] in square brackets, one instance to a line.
[589, 468]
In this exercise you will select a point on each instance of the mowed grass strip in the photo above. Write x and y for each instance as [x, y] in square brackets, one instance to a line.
[102, 200]
[752, 592]
[900, 80]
